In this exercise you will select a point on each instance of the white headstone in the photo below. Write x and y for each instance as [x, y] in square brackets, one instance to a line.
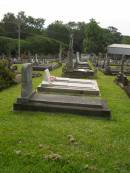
[47, 75]
[32, 60]
[36, 59]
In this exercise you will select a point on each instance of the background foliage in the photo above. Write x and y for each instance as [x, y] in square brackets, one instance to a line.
[88, 37]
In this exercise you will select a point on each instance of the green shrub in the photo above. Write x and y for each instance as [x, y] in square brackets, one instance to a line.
[34, 44]
[45, 45]
[6, 75]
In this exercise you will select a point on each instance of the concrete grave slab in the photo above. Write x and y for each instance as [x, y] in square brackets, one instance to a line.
[64, 103]
[49, 78]
[68, 85]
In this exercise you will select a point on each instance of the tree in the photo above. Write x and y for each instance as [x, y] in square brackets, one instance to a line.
[79, 35]
[93, 42]
[58, 31]
[115, 36]
[35, 26]
[7, 45]
[28, 25]
[126, 39]
[97, 39]
[44, 45]
[9, 24]
[77, 29]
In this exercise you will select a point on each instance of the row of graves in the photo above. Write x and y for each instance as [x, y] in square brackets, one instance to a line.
[40, 62]
[123, 51]
[50, 62]
[114, 61]
[66, 94]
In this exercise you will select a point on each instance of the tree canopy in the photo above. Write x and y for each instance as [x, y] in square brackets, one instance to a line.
[97, 39]
[35, 37]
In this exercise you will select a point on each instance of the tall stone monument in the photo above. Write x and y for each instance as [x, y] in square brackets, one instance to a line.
[69, 67]
[77, 58]
[60, 53]
[69, 64]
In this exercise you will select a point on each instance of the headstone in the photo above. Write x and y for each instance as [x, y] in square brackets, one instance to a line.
[36, 59]
[32, 60]
[60, 53]
[26, 87]
[70, 54]
[47, 75]
[77, 58]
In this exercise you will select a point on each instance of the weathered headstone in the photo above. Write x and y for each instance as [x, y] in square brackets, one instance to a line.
[70, 64]
[47, 75]
[77, 58]
[60, 53]
[26, 87]
[82, 64]
[32, 60]
[36, 59]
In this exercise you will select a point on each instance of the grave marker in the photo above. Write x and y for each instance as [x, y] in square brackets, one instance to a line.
[26, 87]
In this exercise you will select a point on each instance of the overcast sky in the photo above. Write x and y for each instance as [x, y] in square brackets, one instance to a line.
[108, 12]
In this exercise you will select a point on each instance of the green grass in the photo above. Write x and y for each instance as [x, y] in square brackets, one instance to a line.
[101, 146]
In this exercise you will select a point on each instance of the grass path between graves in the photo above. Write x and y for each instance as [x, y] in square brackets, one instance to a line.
[33, 142]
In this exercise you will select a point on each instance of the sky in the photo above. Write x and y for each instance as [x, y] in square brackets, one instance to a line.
[106, 12]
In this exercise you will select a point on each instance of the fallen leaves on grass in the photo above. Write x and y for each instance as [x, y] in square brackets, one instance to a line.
[91, 167]
[18, 152]
[53, 156]
[71, 139]
[41, 146]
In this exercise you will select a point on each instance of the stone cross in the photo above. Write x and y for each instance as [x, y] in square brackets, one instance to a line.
[26, 87]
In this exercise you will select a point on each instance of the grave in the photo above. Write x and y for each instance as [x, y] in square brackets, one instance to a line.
[68, 85]
[75, 70]
[117, 57]
[78, 62]
[123, 53]
[85, 57]
[43, 101]
[41, 67]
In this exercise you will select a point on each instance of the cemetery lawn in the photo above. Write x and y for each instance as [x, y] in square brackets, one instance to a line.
[34, 142]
